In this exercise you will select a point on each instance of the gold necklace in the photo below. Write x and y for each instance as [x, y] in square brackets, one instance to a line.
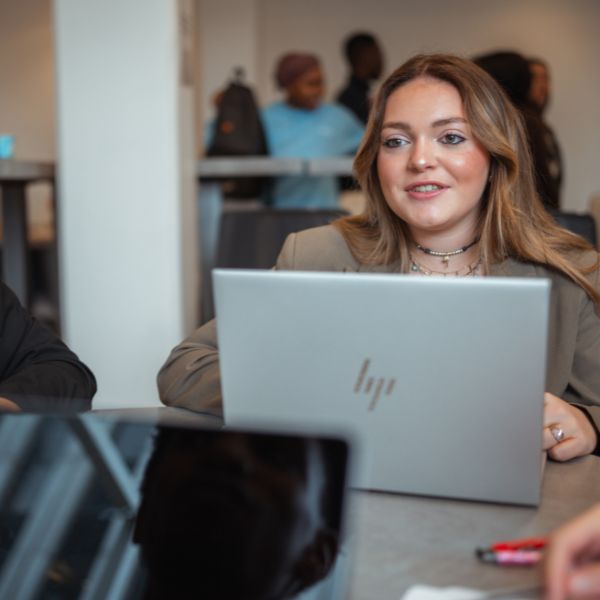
[472, 269]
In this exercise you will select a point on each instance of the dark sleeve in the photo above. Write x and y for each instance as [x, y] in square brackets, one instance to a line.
[37, 370]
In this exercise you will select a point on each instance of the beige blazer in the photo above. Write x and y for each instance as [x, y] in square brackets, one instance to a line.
[190, 377]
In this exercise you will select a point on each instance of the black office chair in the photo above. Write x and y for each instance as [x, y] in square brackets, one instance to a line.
[251, 238]
[583, 225]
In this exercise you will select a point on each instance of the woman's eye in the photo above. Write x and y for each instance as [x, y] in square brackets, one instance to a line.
[394, 142]
[452, 139]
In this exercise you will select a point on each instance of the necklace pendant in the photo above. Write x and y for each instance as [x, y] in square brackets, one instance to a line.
[446, 260]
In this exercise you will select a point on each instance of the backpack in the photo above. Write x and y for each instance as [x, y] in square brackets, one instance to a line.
[239, 132]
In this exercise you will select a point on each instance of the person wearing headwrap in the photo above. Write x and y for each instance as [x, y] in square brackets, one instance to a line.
[294, 64]
[303, 126]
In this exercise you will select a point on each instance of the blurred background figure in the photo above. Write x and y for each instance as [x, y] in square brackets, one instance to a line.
[365, 59]
[303, 126]
[539, 90]
[512, 72]
[231, 515]
[539, 98]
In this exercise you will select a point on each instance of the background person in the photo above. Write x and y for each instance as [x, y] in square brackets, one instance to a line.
[365, 59]
[450, 190]
[37, 370]
[511, 71]
[364, 56]
[303, 126]
[572, 561]
[539, 98]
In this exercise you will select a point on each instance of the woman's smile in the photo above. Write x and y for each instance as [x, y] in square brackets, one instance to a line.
[424, 190]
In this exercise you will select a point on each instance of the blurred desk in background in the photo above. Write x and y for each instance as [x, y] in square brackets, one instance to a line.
[248, 166]
[15, 176]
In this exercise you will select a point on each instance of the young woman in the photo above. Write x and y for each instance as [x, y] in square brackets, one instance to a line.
[447, 171]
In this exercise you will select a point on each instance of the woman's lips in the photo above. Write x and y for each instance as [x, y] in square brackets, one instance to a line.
[425, 190]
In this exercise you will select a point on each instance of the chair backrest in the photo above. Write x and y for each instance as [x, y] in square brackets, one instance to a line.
[581, 224]
[252, 238]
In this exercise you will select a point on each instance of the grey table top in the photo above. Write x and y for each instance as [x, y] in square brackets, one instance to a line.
[19, 170]
[402, 540]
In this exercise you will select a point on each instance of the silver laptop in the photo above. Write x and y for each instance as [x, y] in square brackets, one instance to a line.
[440, 381]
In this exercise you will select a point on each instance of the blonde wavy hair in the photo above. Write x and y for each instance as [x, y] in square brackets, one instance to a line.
[513, 221]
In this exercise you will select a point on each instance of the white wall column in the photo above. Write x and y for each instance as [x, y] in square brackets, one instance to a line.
[127, 221]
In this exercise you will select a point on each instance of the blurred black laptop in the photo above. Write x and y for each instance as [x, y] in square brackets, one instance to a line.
[96, 508]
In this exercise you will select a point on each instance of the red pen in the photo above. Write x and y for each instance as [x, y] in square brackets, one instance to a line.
[533, 543]
[518, 558]
[522, 552]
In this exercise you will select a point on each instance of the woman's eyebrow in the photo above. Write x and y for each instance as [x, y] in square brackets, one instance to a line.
[448, 121]
[401, 125]
[396, 125]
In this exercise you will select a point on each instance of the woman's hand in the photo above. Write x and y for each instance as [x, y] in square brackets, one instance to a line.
[572, 563]
[7, 405]
[567, 431]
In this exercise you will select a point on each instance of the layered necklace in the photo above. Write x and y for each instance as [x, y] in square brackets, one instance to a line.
[445, 256]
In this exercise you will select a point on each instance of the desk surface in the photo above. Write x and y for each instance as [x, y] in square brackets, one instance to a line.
[405, 540]
[20, 170]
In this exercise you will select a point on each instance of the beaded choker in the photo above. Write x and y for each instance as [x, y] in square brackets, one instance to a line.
[445, 255]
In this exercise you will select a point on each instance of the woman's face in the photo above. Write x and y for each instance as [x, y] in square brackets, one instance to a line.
[431, 168]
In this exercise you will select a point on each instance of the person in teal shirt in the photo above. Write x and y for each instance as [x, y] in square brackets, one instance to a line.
[302, 126]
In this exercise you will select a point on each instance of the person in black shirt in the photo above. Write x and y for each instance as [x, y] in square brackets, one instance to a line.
[37, 370]
[366, 65]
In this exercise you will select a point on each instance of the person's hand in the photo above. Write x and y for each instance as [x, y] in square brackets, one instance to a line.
[572, 562]
[567, 431]
[7, 405]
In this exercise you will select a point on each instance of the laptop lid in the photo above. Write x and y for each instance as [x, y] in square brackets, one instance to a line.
[441, 380]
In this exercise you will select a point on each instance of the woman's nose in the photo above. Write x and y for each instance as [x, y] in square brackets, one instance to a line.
[422, 156]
